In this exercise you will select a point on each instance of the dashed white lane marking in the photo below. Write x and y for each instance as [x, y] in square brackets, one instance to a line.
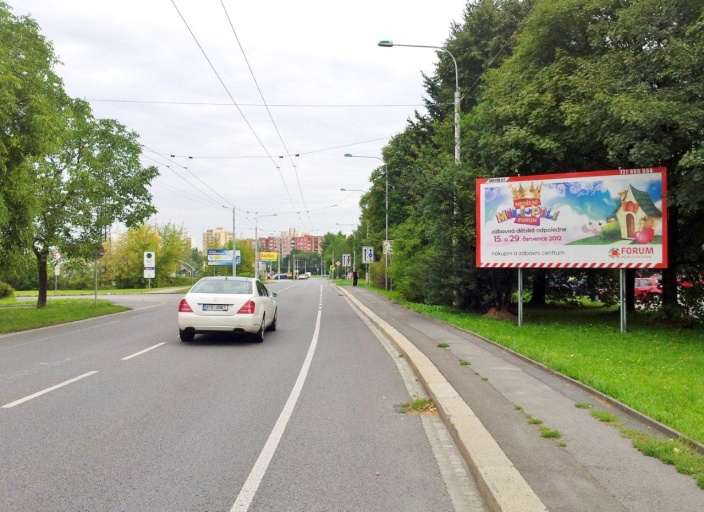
[143, 351]
[249, 489]
[47, 390]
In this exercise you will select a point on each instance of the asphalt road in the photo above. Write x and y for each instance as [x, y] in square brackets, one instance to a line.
[117, 414]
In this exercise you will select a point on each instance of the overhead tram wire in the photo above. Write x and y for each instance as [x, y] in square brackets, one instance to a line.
[191, 173]
[192, 185]
[272, 105]
[271, 117]
[192, 157]
[217, 204]
[184, 194]
[234, 102]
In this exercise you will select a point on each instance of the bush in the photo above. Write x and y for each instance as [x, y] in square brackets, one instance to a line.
[611, 232]
[6, 290]
[377, 273]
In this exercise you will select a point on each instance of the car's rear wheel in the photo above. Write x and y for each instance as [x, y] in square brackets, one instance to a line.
[186, 335]
[272, 327]
[259, 335]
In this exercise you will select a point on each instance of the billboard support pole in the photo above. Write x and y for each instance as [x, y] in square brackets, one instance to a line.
[520, 297]
[622, 299]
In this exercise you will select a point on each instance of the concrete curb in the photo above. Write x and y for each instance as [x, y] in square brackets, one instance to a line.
[502, 486]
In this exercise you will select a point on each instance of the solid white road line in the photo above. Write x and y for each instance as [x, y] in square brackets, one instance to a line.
[47, 390]
[143, 351]
[246, 495]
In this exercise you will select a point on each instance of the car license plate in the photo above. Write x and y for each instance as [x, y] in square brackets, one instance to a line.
[215, 307]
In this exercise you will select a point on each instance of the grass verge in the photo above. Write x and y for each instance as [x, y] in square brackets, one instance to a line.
[677, 452]
[130, 291]
[22, 318]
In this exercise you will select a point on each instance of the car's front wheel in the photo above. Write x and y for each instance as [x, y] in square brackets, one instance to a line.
[259, 335]
[186, 335]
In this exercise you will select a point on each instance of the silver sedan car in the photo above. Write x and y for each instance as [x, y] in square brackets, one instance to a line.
[227, 304]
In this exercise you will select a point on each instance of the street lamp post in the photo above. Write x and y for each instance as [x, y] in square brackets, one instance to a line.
[234, 244]
[256, 241]
[390, 44]
[386, 235]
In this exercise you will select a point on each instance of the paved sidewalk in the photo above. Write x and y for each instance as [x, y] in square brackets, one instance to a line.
[590, 468]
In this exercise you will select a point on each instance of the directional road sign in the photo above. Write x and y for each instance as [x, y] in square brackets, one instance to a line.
[367, 254]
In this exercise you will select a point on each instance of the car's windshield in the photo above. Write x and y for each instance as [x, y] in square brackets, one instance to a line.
[223, 286]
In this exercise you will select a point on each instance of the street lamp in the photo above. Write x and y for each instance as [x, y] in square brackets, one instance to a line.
[390, 44]
[256, 241]
[386, 241]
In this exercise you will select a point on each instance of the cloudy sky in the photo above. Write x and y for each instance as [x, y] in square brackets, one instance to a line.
[178, 73]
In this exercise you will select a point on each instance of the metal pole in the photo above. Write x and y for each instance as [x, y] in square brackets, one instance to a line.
[386, 243]
[520, 297]
[95, 300]
[256, 249]
[622, 301]
[390, 44]
[354, 251]
[234, 245]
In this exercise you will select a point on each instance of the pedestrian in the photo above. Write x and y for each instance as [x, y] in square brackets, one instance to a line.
[354, 277]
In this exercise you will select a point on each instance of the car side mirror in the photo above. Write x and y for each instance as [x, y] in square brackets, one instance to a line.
[274, 294]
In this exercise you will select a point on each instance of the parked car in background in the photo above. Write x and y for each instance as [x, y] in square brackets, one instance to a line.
[280, 276]
[647, 288]
[227, 304]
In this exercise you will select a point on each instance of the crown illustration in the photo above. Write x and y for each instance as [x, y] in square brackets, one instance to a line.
[531, 192]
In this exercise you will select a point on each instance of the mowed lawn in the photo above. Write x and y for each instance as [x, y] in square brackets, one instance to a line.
[21, 316]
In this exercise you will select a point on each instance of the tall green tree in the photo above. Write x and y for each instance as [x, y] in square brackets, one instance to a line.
[430, 197]
[31, 101]
[125, 258]
[93, 181]
[602, 84]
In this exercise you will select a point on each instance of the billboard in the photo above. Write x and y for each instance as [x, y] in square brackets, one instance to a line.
[269, 256]
[592, 219]
[222, 257]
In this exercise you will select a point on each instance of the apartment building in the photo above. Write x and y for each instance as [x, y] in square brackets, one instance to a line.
[217, 237]
[290, 240]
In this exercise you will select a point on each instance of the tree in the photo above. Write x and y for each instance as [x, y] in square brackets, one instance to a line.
[93, 181]
[600, 84]
[125, 258]
[246, 267]
[427, 190]
[31, 99]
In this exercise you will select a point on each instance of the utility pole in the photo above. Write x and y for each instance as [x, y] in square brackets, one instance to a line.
[234, 245]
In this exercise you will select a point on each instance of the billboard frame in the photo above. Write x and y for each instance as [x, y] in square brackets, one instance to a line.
[636, 205]
[648, 250]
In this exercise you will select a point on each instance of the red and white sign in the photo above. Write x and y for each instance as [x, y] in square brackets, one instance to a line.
[591, 219]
